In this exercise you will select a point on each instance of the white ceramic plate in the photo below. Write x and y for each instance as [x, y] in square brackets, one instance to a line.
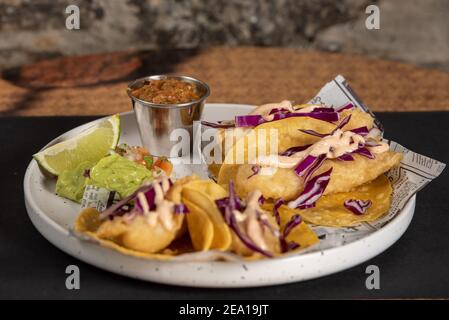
[53, 217]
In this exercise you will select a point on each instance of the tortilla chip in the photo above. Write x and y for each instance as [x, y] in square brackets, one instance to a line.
[330, 210]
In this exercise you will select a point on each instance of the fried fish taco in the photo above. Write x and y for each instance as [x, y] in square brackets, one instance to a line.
[331, 157]
[146, 222]
[337, 162]
[284, 129]
[275, 182]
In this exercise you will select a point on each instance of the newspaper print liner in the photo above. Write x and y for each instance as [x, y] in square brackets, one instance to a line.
[413, 174]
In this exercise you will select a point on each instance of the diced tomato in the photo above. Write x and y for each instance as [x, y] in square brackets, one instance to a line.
[165, 165]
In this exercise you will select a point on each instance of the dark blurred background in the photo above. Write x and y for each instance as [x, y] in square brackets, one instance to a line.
[414, 31]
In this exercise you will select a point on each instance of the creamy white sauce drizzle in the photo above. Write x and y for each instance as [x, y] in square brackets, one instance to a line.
[337, 144]
[265, 109]
[307, 109]
[333, 146]
[268, 171]
[381, 148]
[249, 220]
[274, 160]
[164, 212]
[374, 133]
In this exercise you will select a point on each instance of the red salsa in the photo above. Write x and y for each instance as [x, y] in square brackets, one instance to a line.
[167, 91]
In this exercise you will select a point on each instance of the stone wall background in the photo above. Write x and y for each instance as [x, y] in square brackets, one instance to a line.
[415, 31]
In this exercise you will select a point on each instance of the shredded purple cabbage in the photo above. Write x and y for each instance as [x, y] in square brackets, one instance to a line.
[304, 165]
[309, 165]
[328, 114]
[294, 221]
[314, 133]
[150, 195]
[286, 246]
[313, 190]
[324, 116]
[217, 125]
[181, 208]
[343, 122]
[227, 206]
[347, 106]
[363, 131]
[250, 120]
[115, 208]
[255, 169]
[279, 202]
[346, 157]
[254, 120]
[314, 167]
[293, 150]
[323, 109]
[363, 151]
[322, 135]
[357, 207]
[123, 206]
[292, 245]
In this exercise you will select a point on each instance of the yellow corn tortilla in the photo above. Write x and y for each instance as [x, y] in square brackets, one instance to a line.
[207, 187]
[330, 210]
[303, 235]
[200, 226]
[201, 196]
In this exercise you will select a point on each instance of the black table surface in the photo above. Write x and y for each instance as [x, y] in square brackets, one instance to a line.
[415, 266]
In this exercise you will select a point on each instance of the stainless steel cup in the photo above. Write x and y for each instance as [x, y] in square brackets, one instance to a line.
[156, 122]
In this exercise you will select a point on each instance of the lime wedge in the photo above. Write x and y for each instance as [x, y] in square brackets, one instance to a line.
[90, 145]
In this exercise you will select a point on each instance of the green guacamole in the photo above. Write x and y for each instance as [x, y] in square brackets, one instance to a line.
[113, 172]
[119, 174]
[71, 183]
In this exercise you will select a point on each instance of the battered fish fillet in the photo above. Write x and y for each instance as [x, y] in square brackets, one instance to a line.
[138, 234]
[346, 175]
